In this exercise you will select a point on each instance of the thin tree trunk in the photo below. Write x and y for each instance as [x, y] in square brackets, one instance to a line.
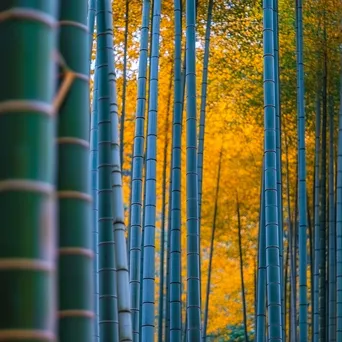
[174, 334]
[260, 334]
[290, 230]
[332, 232]
[193, 235]
[339, 217]
[94, 187]
[302, 200]
[162, 236]
[124, 87]
[119, 228]
[137, 175]
[148, 282]
[274, 286]
[323, 230]
[211, 253]
[91, 25]
[241, 271]
[317, 222]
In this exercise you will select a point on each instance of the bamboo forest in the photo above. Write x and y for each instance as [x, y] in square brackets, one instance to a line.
[171, 170]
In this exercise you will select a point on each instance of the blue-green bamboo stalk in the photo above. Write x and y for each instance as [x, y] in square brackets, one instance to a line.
[75, 309]
[332, 232]
[271, 205]
[162, 298]
[175, 282]
[148, 282]
[302, 198]
[279, 163]
[193, 248]
[193, 238]
[323, 200]
[28, 32]
[108, 311]
[94, 188]
[137, 175]
[260, 324]
[124, 87]
[339, 219]
[204, 86]
[316, 222]
[124, 305]
[91, 24]
[211, 252]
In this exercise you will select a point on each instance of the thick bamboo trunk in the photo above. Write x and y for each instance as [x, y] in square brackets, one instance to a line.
[27, 190]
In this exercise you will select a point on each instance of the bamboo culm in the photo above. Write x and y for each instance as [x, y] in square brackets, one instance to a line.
[148, 281]
[137, 175]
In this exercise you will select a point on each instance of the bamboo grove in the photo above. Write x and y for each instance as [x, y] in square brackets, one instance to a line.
[171, 170]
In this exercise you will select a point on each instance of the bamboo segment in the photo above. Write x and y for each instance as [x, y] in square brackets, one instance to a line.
[174, 326]
[339, 221]
[148, 285]
[193, 248]
[94, 187]
[75, 235]
[137, 175]
[273, 268]
[302, 196]
[124, 306]
[108, 310]
[27, 193]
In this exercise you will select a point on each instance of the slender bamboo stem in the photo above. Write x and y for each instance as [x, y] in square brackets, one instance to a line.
[193, 234]
[163, 215]
[124, 87]
[137, 175]
[243, 293]
[211, 253]
[332, 232]
[148, 282]
[273, 268]
[108, 308]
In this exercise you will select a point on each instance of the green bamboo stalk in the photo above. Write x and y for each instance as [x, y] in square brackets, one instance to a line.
[137, 175]
[332, 232]
[323, 229]
[338, 219]
[316, 221]
[211, 253]
[28, 145]
[108, 310]
[302, 199]
[243, 292]
[163, 215]
[148, 282]
[119, 228]
[193, 235]
[74, 202]
[260, 333]
[94, 187]
[124, 87]
[174, 333]
[289, 258]
[91, 25]
[204, 86]
[279, 159]
[273, 268]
